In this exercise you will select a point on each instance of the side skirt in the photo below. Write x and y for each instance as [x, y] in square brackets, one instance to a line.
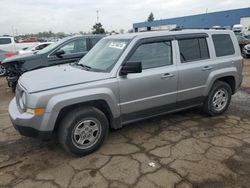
[161, 110]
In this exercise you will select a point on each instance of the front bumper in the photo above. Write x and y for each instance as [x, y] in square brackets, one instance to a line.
[27, 124]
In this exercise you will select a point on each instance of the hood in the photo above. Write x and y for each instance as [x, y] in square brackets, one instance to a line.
[58, 76]
[21, 58]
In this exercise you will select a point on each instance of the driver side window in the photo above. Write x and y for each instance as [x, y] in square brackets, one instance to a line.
[76, 46]
[155, 54]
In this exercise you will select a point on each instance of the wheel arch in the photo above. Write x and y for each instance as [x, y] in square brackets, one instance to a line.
[100, 104]
[229, 76]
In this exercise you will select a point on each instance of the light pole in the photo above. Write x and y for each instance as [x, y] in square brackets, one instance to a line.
[97, 16]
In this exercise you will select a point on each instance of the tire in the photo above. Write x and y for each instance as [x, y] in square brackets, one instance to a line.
[214, 104]
[83, 130]
[3, 71]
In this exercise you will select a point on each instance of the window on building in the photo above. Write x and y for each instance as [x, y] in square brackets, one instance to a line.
[193, 49]
[223, 45]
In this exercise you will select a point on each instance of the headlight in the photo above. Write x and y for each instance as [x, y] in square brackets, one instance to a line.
[23, 100]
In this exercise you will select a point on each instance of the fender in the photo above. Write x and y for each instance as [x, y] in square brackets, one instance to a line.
[220, 73]
[58, 102]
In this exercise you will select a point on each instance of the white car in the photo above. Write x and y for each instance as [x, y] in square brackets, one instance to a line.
[9, 44]
[34, 48]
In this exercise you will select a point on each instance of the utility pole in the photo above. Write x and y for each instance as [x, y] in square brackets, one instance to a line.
[97, 16]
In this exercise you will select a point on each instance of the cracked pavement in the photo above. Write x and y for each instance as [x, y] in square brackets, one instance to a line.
[182, 150]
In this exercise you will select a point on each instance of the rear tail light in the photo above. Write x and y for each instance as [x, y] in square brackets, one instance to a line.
[10, 54]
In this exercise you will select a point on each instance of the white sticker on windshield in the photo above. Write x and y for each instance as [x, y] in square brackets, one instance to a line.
[118, 45]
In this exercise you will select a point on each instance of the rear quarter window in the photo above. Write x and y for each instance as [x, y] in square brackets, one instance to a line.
[223, 45]
[5, 41]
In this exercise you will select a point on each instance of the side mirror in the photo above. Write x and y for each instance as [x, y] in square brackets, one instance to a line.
[131, 67]
[59, 53]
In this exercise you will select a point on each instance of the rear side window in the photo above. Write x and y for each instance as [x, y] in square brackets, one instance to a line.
[155, 54]
[223, 45]
[193, 49]
[5, 41]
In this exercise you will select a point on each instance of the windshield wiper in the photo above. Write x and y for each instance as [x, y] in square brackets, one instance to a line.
[84, 66]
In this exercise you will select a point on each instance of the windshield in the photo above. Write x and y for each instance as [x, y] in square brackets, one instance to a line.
[104, 54]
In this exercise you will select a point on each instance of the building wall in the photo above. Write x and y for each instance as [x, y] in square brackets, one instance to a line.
[208, 20]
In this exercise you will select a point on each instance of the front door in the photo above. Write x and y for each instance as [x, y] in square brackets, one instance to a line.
[73, 51]
[148, 93]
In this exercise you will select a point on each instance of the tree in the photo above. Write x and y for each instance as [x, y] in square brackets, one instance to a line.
[151, 17]
[98, 29]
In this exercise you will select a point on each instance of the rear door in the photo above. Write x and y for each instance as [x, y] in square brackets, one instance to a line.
[73, 51]
[194, 66]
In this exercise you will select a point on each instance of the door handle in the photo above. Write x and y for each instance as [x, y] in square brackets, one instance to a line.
[167, 75]
[206, 68]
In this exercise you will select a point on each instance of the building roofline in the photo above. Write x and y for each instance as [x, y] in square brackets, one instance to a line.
[189, 16]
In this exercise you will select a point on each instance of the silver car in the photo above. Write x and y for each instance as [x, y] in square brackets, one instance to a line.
[127, 78]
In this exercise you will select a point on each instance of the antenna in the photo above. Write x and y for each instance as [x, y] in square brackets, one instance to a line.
[97, 16]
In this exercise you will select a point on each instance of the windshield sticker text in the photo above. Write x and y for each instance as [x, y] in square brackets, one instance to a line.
[118, 45]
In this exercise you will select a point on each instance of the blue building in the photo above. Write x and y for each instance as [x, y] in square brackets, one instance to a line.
[226, 19]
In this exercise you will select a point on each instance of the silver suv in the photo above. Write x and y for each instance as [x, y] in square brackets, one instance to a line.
[127, 78]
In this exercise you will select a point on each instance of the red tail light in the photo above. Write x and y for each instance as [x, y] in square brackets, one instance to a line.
[10, 54]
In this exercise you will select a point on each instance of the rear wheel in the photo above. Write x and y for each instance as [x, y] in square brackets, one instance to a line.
[218, 99]
[2, 70]
[83, 130]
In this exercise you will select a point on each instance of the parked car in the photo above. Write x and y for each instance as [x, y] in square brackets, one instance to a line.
[237, 28]
[242, 40]
[34, 48]
[31, 39]
[3, 55]
[67, 50]
[9, 44]
[246, 51]
[127, 78]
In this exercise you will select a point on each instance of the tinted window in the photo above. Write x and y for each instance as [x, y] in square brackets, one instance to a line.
[93, 41]
[193, 49]
[153, 54]
[203, 48]
[75, 46]
[223, 45]
[5, 41]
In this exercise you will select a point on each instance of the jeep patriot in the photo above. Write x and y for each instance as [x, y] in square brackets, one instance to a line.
[127, 78]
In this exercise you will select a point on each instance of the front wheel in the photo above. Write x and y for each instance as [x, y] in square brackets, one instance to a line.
[218, 99]
[83, 130]
[3, 71]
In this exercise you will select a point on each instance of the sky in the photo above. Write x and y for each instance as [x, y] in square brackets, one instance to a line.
[72, 16]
